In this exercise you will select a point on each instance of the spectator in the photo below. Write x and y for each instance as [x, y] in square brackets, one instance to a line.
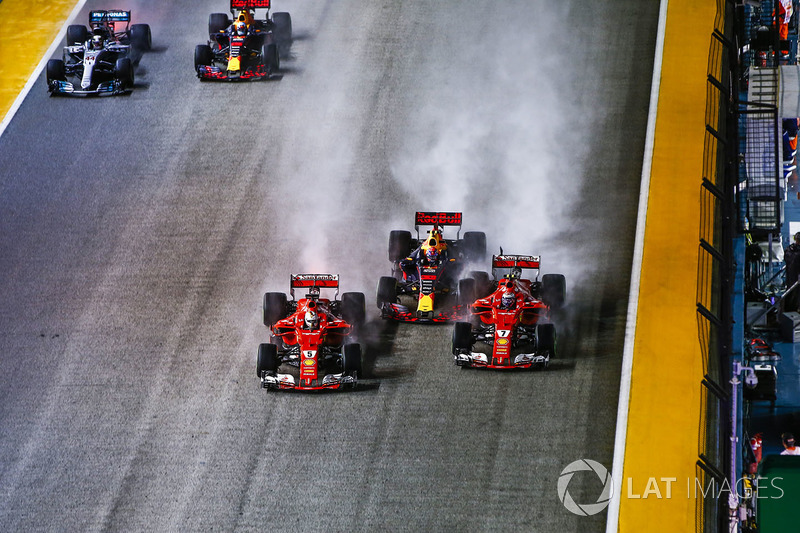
[788, 445]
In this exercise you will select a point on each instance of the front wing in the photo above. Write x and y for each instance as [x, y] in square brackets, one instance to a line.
[111, 88]
[288, 382]
[402, 313]
[216, 73]
[482, 360]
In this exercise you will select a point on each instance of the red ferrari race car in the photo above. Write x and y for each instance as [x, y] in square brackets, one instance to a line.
[424, 271]
[309, 348]
[514, 318]
[243, 48]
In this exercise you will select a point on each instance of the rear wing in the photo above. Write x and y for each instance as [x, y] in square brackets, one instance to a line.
[314, 282]
[431, 218]
[515, 261]
[249, 4]
[99, 17]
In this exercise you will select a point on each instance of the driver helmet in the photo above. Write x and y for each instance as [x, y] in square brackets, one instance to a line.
[432, 255]
[516, 272]
[96, 43]
[240, 28]
[311, 320]
[508, 300]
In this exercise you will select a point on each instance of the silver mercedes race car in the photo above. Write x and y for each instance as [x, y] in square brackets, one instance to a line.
[99, 60]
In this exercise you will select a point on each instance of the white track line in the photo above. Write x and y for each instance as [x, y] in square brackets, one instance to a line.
[612, 521]
[40, 67]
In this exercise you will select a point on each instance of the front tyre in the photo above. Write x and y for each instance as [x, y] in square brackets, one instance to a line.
[546, 340]
[351, 359]
[462, 337]
[387, 291]
[271, 60]
[202, 56]
[56, 71]
[123, 70]
[267, 359]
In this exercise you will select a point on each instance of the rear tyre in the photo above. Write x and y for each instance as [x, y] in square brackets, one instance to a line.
[387, 291]
[546, 339]
[399, 245]
[271, 60]
[466, 291]
[351, 359]
[274, 307]
[474, 245]
[141, 38]
[554, 290]
[283, 28]
[123, 70]
[202, 56]
[462, 337]
[77, 34]
[267, 359]
[217, 22]
[56, 70]
[354, 309]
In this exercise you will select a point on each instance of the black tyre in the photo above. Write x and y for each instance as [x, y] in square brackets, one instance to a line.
[354, 309]
[474, 244]
[123, 70]
[483, 283]
[217, 22]
[271, 60]
[546, 339]
[466, 291]
[267, 359]
[399, 245]
[283, 27]
[462, 337]
[387, 290]
[351, 359]
[554, 290]
[141, 38]
[56, 70]
[274, 307]
[77, 34]
[202, 56]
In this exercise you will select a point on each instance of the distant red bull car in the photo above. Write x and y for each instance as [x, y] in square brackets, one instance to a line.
[512, 318]
[308, 348]
[425, 271]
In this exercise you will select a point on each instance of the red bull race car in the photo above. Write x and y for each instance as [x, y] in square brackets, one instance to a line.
[422, 287]
[511, 315]
[243, 47]
[308, 349]
[99, 60]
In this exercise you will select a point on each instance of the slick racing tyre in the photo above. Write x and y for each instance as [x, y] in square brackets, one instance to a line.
[141, 38]
[271, 60]
[462, 337]
[387, 291]
[474, 245]
[483, 283]
[466, 291]
[77, 34]
[546, 339]
[202, 56]
[354, 309]
[399, 245]
[56, 70]
[274, 307]
[123, 70]
[217, 22]
[554, 290]
[351, 359]
[283, 28]
[267, 359]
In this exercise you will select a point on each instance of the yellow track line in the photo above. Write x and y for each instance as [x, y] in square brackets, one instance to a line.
[27, 31]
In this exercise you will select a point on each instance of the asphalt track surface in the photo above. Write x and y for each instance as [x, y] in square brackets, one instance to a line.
[138, 233]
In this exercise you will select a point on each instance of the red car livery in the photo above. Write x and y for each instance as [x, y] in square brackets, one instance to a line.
[513, 319]
[308, 348]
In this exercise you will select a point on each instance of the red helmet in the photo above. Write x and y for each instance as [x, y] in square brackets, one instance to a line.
[432, 255]
[508, 300]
